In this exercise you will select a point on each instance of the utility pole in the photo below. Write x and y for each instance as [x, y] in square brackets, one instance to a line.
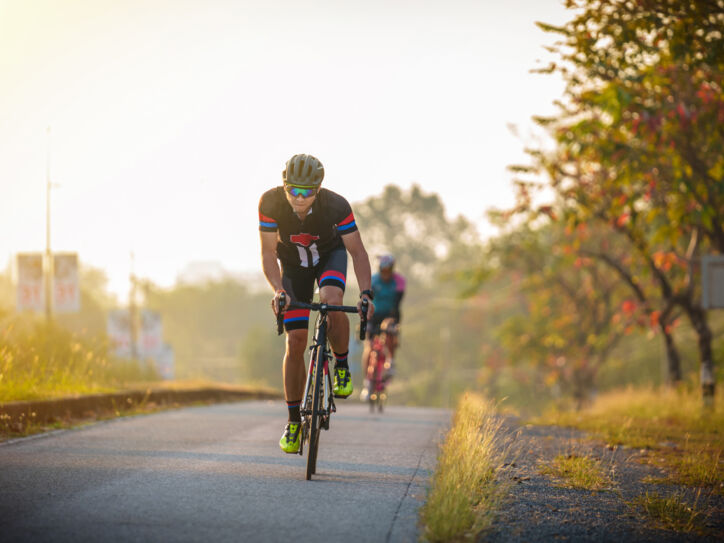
[132, 312]
[48, 255]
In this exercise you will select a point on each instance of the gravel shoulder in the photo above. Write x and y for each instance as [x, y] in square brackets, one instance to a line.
[542, 509]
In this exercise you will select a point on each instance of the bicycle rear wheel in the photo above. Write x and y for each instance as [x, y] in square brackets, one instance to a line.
[315, 426]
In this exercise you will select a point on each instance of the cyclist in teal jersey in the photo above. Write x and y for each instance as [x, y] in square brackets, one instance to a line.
[388, 288]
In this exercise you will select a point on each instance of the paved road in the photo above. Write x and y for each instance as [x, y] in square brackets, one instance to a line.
[216, 474]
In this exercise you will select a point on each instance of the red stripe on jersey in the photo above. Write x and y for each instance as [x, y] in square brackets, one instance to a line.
[265, 218]
[349, 219]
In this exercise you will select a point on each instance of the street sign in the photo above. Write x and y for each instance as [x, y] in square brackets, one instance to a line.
[66, 288]
[712, 282]
[30, 291]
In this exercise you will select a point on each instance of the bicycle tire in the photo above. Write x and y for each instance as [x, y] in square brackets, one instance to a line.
[315, 425]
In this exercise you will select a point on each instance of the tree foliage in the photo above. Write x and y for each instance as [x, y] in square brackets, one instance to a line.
[638, 143]
[413, 226]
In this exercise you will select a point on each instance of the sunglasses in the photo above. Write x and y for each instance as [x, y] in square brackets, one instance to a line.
[298, 191]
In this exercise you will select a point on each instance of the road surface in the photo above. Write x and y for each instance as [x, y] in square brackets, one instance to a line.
[216, 474]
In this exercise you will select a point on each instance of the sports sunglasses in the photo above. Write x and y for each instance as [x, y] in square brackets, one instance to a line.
[300, 191]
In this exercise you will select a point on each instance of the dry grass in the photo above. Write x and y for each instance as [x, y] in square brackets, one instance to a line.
[573, 471]
[670, 426]
[46, 361]
[466, 491]
[671, 512]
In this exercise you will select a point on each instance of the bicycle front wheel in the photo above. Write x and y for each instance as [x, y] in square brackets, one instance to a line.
[315, 426]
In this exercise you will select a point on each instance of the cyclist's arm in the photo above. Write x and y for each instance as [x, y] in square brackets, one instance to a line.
[361, 262]
[360, 259]
[269, 263]
[400, 285]
[396, 308]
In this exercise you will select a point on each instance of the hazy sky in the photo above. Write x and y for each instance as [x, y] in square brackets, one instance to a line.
[170, 118]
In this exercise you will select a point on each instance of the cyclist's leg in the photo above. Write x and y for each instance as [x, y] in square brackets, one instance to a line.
[332, 276]
[299, 284]
[373, 327]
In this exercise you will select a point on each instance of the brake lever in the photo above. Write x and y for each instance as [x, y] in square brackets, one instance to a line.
[363, 320]
[281, 302]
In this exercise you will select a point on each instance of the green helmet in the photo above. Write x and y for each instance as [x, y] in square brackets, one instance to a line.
[304, 171]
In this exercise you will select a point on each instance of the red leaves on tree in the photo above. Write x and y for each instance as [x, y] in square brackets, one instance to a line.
[628, 307]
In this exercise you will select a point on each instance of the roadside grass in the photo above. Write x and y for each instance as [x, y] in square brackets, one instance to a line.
[44, 361]
[581, 472]
[671, 428]
[466, 490]
[672, 512]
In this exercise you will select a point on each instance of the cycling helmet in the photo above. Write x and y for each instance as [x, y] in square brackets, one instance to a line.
[389, 326]
[303, 170]
[387, 261]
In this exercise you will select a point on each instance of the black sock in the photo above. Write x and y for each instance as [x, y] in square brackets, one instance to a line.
[340, 360]
[294, 414]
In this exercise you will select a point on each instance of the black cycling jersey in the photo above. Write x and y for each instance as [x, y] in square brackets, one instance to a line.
[303, 242]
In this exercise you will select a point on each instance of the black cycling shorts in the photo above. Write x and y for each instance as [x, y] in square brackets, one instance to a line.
[374, 324]
[299, 284]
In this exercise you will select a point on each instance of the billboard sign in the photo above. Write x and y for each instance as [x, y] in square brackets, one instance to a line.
[119, 332]
[66, 288]
[30, 291]
[150, 338]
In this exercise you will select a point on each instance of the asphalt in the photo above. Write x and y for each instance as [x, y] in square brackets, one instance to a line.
[215, 473]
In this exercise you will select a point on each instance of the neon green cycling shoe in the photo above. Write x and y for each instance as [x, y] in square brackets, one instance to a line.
[292, 438]
[342, 383]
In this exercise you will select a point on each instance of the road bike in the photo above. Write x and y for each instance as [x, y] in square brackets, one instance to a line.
[377, 368]
[318, 400]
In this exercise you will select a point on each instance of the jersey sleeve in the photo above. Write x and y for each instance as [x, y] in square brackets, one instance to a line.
[400, 283]
[345, 218]
[267, 222]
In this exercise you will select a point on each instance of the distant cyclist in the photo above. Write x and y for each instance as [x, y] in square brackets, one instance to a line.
[308, 230]
[388, 288]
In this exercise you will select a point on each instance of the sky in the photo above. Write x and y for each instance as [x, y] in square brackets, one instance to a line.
[169, 118]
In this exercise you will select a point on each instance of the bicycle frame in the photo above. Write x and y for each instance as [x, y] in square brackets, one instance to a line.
[319, 347]
[375, 371]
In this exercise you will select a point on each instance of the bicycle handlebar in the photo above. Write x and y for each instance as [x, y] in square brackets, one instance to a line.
[321, 307]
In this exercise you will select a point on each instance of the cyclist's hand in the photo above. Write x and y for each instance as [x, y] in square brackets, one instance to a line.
[275, 300]
[370, 307]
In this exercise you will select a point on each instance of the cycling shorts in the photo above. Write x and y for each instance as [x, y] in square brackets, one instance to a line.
[374, 324]
[299, 284]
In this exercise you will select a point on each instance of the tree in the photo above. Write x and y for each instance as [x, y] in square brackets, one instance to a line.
[412, 226]
[572, 317]
[639, 144]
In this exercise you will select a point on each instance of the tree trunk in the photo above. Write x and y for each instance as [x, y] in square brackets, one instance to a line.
[673, 361]
[698, 318]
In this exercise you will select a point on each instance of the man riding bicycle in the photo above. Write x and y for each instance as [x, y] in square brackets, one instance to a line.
[309, 230]
[388, 288]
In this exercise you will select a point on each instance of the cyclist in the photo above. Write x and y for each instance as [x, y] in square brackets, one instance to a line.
[385, 343]
[388, 288]
[308, 230]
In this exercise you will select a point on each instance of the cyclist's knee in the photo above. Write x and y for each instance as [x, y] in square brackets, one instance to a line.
[331, 295]
[296, 342]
